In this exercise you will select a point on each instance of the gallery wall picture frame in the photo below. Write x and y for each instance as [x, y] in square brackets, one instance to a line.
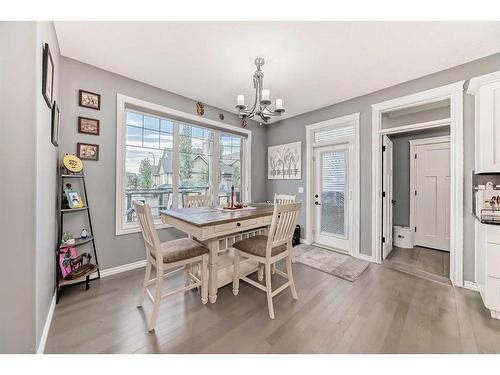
[89, 99]
[284, 162]
[47, 75]
[55, 121]
[88, 125]
[87, 151]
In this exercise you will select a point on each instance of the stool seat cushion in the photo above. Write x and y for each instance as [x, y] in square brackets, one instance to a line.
[181, 249]
[256, 245]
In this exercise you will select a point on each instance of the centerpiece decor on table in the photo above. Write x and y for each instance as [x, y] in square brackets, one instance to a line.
[234, 205]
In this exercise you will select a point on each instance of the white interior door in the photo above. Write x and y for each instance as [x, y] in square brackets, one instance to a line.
[332, 196]
[432, 195]
[387, 196]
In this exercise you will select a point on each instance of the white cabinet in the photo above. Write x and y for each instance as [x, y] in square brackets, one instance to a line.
[486, 89]
[488, 266]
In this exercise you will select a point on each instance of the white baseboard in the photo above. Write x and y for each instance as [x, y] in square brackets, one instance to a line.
[46, 327]
[471, 285]
[123, 268]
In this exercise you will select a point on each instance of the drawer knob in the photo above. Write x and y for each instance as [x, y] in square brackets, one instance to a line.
[238, 224]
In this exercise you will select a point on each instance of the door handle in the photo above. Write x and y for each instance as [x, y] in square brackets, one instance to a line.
[316, 196]
[317, 203]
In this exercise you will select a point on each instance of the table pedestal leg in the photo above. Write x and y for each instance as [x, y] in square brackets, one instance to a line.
[213, 245]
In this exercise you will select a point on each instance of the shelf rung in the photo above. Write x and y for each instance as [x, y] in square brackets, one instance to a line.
[78, 242]
[74, 209]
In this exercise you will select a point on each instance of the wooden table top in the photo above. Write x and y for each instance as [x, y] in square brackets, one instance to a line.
[204, 216]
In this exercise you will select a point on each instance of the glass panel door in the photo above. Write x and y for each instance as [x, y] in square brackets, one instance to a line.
[331, 197]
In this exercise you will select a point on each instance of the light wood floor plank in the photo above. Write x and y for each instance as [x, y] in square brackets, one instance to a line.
[384, 311]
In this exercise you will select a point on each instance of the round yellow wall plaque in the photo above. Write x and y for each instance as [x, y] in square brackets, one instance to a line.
[73, 163]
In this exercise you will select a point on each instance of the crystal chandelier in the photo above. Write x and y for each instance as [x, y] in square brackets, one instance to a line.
[262, 99]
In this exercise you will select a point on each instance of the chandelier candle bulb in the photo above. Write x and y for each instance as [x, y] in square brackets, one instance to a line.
[279, 104]
[241, 100]
[265, 95]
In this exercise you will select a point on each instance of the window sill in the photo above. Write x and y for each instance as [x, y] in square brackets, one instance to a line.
[137, 229]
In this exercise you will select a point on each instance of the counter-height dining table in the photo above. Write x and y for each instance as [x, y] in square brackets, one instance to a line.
[218, 229]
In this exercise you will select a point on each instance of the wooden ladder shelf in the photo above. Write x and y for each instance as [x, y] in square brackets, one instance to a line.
[92, 271]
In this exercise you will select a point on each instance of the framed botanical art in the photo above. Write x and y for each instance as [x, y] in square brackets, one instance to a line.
[47, 75]
[89, 99]
[284, 162]
[87, 151]
[56, 118]
[88, 125]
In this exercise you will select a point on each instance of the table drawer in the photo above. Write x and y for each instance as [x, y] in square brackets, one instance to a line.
[266, 220]
[235, 225]
[493, 260]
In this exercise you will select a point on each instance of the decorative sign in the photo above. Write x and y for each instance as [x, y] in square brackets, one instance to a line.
[284, 162]
[72, 163]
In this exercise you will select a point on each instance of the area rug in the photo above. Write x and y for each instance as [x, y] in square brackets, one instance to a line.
[336, 264]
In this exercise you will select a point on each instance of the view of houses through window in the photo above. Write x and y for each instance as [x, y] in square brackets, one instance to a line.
[150, 149]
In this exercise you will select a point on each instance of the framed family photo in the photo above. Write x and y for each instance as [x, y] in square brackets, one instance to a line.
[87, 151]
[74, 198]
[56, 119]
[89, 99]
[47, 75]
[88, 125]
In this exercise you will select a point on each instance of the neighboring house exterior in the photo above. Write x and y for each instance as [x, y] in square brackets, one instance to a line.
[163, 173]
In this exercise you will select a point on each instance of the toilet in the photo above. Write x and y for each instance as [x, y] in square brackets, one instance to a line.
[403, 237]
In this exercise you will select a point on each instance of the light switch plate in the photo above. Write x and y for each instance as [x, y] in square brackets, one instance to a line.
[301, 190]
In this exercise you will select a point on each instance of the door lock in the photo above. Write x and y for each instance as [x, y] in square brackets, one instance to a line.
[316, 196]
[317, 203]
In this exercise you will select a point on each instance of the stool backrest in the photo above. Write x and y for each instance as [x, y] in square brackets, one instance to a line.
[285, 217]
[196, 201]
[284, 198]
[148, 230]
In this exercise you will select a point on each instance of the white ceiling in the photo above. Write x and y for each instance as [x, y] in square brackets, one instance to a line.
[309, 64]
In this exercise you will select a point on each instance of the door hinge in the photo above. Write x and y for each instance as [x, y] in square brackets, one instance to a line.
[383, 239]
[415, 156]
[383, 194]
[383, 148]
[415, 192]
[415, 229]
[314, 158]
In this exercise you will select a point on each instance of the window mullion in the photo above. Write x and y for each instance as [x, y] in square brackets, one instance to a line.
[175, 167]
[215, 169]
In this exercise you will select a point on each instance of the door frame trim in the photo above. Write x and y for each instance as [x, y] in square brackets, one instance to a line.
[310, 129]
[453, 92]
[413, 145]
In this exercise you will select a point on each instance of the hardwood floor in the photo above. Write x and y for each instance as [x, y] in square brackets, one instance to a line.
[384, 311]
[420, 260]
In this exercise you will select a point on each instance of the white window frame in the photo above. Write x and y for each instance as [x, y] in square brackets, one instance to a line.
[123, 103]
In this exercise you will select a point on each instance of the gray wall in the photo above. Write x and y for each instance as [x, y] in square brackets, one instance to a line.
[17, 179]
[401, 171]
[292, 129]
[389, 121]
[27, 186]
[118, 250]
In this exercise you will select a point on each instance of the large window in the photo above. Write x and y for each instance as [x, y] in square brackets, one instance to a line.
[161, 160]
